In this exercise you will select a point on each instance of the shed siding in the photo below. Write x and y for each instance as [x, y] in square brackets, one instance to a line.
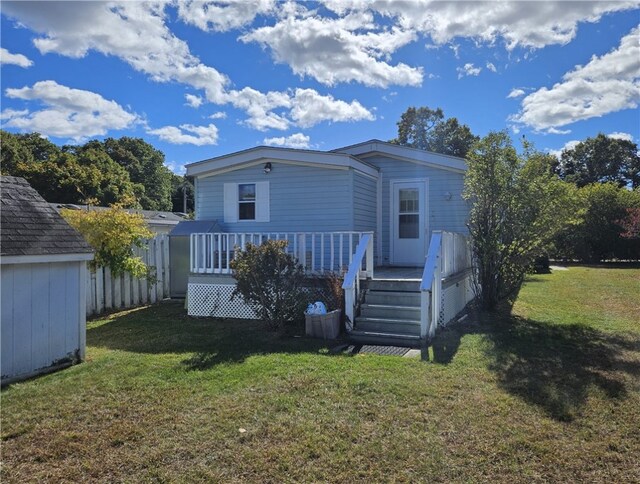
[302, 198]
[443, 214]
[41, 315]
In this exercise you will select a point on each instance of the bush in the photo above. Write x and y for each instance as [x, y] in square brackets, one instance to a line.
[272, 282]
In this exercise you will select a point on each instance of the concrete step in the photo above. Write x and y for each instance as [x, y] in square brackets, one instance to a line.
[388, 339]
[386, 325]
[411, 313]
[393, 298]
[394, 286]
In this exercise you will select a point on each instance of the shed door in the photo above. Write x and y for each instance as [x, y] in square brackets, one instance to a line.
[408, 226]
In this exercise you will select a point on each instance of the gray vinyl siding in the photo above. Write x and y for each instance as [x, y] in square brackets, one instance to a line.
[302, 198]
[450, 215]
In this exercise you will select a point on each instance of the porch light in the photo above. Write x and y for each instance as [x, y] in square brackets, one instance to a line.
[447, 196]
[267, 168]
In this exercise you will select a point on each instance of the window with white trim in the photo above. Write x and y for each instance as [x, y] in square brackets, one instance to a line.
[246, 202]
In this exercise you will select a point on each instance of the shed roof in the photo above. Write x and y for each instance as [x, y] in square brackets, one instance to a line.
[152, 217]
[30, 226]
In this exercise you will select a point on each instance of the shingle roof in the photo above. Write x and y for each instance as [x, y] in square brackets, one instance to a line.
[30, 226]
[151, 216]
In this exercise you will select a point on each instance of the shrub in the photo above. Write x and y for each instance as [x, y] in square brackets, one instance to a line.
[113, 233]
[272, 282]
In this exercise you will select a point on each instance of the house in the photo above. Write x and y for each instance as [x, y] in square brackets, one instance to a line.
[385, 198]
[158, 221]
[43, 265]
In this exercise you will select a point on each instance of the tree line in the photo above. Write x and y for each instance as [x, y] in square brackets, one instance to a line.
[127, 171]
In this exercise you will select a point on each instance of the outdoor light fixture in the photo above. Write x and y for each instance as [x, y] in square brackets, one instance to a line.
[267, 168]
[447, 196]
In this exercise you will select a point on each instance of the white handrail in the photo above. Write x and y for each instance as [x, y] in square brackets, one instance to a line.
[351, 284]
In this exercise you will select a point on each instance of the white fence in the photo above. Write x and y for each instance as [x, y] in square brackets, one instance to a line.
[317, 252]
[106, 292]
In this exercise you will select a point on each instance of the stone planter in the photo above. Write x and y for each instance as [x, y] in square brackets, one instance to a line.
[326, 326]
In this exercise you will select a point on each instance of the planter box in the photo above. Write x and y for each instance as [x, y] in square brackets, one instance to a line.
[326, 326]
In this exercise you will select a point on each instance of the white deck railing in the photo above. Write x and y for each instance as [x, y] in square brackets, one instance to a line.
[351, 284]
[449, 255]
[317, 252]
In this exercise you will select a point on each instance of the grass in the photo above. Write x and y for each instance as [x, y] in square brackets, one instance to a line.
[546, 391]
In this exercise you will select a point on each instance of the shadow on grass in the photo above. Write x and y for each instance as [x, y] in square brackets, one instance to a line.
[553, 366]
[166, 328]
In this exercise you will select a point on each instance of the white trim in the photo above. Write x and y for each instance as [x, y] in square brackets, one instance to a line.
[45, 258]
[263, 154]
[404, 153]
[392, 214]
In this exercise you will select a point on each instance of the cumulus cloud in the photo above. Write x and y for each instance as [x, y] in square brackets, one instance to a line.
[175, 167]
[20, 60]
[468, 70]
[218, 115]
[491, 67]
[516, 23]
[332, 50]
[297, 140]
[310, 108]
[193, 100]
[622, 136]
[569, 145]
[187, 134]
[223, 16]
[136, 32]
[67, 113]
[515, 92]
[606, 84]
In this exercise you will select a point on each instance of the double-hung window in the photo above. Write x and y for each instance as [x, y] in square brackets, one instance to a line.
[246, 202]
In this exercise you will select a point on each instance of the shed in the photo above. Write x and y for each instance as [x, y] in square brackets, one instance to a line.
[43, 267]
[179, 252]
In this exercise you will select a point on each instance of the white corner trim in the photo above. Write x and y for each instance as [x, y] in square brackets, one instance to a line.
[45, 258]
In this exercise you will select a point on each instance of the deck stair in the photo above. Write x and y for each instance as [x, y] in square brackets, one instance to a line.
[390, 314]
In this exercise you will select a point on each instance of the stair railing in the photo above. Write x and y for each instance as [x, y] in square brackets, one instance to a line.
[351, 284]
[431, 288]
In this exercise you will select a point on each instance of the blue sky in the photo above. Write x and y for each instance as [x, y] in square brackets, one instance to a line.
[201, 79]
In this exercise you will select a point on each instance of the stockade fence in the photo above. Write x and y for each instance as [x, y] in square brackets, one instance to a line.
[106, 292]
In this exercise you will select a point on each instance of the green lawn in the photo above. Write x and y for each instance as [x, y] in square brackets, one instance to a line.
[550, 392]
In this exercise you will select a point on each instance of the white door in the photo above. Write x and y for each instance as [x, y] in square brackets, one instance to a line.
[408, 212]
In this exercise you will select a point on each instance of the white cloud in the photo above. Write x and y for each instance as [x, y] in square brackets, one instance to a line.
[193, 100]
[20, 60]
[297, 140]
[569, 145]
[333, 50]
[12, 113]
[468, 70]
[517, 23]
[515, 92]
[200, 135]
[175, 167]
[223, 16]
[69, 113]
[218, 115]
[491, 67]
[310, 108]
[606, 84]
[622, 136]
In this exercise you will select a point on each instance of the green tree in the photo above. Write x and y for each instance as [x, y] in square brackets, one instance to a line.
[271, 281]
[601, 222]
[427, 129]
[601, 160]
[178, 186]
[145, 165]
[113, 233]
[517, 208]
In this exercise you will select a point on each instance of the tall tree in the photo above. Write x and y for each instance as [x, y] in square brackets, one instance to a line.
[517, 208]
[427, 129]
[601, 160]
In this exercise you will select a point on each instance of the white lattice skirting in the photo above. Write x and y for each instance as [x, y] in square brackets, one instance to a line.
[214, 300]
